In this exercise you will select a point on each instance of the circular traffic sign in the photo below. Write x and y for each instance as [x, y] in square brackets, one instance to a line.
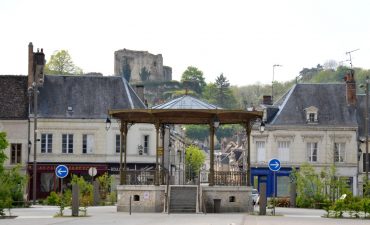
[61, 171]
[92, 171]
[274, 165]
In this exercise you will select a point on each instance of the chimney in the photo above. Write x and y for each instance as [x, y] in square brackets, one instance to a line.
[139, 88]
[349, 78]
[267, 100]
[30, 64]
[38, 66]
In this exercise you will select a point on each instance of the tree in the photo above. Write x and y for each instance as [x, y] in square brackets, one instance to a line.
[222, 85]
[11, 181]
[197, 132]
[194, 78]
[221, 94]
[61, 63]
[3, 144]
[194, 159]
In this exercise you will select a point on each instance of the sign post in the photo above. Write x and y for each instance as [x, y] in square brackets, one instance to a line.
[274, 165]
[61, 171]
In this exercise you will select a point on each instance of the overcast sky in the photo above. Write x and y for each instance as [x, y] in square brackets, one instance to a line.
[242, 39]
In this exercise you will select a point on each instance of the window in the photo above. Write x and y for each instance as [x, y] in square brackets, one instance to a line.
[339, 153]
[312, 151]
[364, 161]
[118, 143]
[146, 144]
[311, 117]
[282, 186]
[261, 151]
[67, 143]
[87, 143]
[15, 154]
[311, 114]
[283, 149]
[46, 143]
[48, 183]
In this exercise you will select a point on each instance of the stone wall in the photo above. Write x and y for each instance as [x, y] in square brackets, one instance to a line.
[139, 60]
[231, 198]
[144, 198]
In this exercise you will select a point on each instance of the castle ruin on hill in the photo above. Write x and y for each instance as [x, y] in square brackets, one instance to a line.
[140, 66]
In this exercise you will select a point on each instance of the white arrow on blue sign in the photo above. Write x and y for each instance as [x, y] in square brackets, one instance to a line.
[61, 171]
[274, 165]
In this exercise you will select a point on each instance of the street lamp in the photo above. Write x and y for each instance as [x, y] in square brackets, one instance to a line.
[108, 123]
[273, 77]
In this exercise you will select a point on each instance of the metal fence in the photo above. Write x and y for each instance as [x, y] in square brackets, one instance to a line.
[230, 178]
[137, 177]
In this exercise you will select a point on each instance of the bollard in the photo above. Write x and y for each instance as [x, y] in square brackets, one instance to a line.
[293, 194]
[96, 193]
[75, 200]
[263, 199]
[130, 204]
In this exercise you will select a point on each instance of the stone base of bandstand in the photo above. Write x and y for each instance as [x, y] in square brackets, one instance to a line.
[144, 198]
[227, 199]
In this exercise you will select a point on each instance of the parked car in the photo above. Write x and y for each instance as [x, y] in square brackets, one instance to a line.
[255, 196]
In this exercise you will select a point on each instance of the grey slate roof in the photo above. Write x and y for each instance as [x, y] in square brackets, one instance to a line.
[13, 97]
[186, 102]
[89, 96]
[361, 103]
[330, 99]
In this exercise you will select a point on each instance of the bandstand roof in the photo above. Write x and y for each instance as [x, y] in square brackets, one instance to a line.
[185, 110]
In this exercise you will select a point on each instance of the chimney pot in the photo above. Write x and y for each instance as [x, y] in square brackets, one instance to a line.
[267, 100]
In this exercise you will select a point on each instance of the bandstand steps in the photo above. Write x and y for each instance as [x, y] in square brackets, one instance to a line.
[183, 199]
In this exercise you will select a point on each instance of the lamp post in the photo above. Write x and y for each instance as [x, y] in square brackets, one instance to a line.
[273, 78]
[213, 126]
[249, 127]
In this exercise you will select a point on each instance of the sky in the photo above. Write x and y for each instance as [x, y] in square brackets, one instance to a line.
[242, 39]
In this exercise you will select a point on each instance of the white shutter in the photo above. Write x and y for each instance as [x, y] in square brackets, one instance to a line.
[90, 143]
[261, 151]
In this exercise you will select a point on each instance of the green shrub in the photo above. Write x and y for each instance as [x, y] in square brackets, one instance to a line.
[339, 207]
[365, 203]
[52, 199]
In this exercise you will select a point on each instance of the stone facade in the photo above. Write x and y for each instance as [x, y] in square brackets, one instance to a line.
[16, 134]
[135, 62]
[144, 198]
[230, 198]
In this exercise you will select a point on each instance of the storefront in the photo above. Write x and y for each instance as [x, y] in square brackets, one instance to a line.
[47, 181]
[265, 175]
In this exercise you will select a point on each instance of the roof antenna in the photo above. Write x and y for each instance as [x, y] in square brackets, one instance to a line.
[350, 58]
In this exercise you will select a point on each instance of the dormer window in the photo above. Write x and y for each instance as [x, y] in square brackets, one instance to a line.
[311, 115]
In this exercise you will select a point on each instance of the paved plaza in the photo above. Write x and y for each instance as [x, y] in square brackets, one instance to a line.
[42, 215]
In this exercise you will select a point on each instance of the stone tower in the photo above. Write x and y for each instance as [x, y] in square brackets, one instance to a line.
[138, 66]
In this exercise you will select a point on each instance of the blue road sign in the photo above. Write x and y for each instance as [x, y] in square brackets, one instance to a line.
[61, 171]
[274, 165]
